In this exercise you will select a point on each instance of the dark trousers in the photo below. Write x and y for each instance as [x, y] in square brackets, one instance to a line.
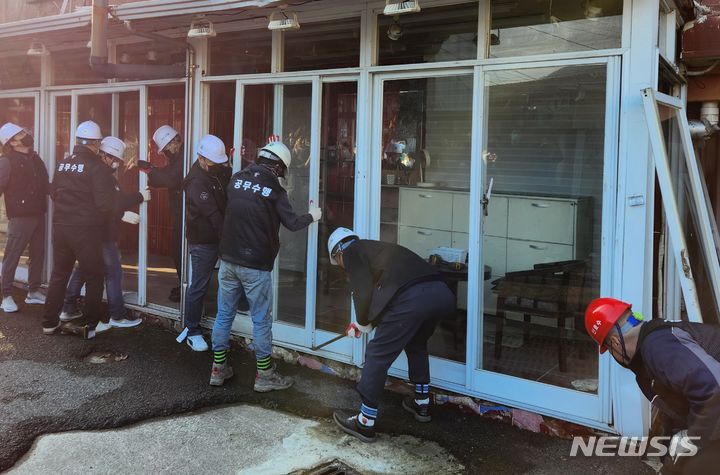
[21, 232]
[176, 249]
[203, 258]
[707, 460]
[84, 245]
[407, 324]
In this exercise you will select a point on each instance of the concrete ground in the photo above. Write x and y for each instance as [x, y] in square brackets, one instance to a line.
[154, 412]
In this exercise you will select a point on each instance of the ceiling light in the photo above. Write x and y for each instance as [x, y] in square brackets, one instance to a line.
[201, 28]
[395, 31]
[401, 7]
[37, 48]
[284, 23]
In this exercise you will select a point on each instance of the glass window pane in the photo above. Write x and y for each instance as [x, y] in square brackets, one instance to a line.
[292, 259]
[258, 117]
[325, 45]
[433, 34]
[19, 72]
[222, 113]
[554, 26]
[241, 52]
[337, 199]
[72, 67]
[151, 53]
[425, 181]
[542, 234]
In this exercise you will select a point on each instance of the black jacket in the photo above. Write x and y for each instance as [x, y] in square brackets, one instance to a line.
[171, 177]
[205, 200]
[256, 206]
[377, 271]
[83, 190]
[24, 182]
[677, 366]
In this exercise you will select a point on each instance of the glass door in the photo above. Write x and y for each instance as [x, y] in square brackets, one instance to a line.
[421, 160]
[23, 110]
[549, 147]
[317, 122]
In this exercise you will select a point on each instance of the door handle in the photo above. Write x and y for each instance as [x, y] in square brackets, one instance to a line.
[540, 205]
[423, 195]
[538, 248]
[486, 197]
[424, 233]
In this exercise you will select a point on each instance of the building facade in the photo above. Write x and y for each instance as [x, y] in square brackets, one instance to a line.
[510, 132]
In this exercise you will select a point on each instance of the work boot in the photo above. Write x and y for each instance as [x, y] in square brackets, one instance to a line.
[270, 380]
[35, 298]
[421, 412]
[9, 305]
[349, 424]
[220, 372]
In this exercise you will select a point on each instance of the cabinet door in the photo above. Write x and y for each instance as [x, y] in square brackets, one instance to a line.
[542, 220]
[495, 254]
[426, 209]
[422, 240]
[496, 222]
[461, 212]
[523, 255]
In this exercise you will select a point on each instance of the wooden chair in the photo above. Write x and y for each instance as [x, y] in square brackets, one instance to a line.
[553, 290]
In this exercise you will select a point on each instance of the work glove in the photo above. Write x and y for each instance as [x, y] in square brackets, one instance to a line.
[315, 212]
[682, 446]
[362, 328]
[145, 194]
[131, 218]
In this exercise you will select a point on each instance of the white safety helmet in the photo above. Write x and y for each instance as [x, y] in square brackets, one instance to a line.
[338, 236]
[213, 149]
[9, 131]
[395, 147]
[114, 147]
[88, 130]
[276, 151]
[163, 136]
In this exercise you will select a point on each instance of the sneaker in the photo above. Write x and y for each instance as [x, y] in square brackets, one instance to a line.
[102, 327]
[83, 330]
[69, 316]
[9, 305]
[125, 322]
[50, 328]
[421, 412]
[220, 372]
[350, 425]
[35, 297]
[174, 295]
[197, 343]
[270, 380]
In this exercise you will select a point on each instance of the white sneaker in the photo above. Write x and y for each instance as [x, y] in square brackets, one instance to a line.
[102, 327]
[36, 297]
[66, 317]
[9, 305]
[197, 343]
[125, 322]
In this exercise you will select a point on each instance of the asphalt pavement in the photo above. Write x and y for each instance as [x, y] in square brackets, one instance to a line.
[54, 384]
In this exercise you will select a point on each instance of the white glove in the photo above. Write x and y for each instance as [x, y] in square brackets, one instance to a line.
[315, 212]
[145, 194]
[364, 328]
[682, 446]
[131, 218]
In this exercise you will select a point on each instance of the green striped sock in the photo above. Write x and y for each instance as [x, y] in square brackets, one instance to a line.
[264, 364]
[220, 357]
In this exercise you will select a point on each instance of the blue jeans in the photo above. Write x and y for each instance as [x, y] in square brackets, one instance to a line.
[113, 283]
[236, 282]
[203, 258]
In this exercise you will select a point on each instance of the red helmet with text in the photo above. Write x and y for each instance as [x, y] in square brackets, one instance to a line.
[600, 317]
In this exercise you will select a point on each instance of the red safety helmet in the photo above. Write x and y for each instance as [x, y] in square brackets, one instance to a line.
[600, 317]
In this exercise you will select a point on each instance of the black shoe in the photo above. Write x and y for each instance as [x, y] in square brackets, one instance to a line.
[350, 425]
[174, 295]
[420, 412]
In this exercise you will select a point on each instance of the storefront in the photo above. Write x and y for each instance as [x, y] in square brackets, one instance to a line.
[512, 131]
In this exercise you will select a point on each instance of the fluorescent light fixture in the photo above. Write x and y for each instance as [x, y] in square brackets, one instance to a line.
[284, 23]
[201, 28]
[37, 48]
[401, 7]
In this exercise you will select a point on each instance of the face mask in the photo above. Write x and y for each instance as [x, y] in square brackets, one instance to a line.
[27, 141]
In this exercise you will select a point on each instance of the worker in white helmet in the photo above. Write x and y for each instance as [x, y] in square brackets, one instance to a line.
[112, 152]
[24, 182]
[84, 193]
[257, 205]
[168, 142]
[205, 199]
